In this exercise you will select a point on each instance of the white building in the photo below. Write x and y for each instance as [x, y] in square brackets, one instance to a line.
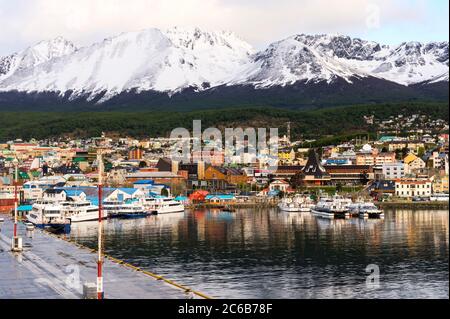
[278, 185]
[63, 194]
[411, 188]
[392, 171]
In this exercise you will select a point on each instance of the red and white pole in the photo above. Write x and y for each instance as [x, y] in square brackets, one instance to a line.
[16, 180]
[100, 230]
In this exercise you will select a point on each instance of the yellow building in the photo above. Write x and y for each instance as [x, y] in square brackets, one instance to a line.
[413, 163]
[440, 184]
[286, 157]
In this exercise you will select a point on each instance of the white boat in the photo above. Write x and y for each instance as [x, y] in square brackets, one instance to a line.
[117, 209]
[49, 214]
[82, 211]
[334, 207]
[439, 197]
[304, 202]
[110, 208]
[296, 204]
[366, 210]
[162, 205]
[288, 205]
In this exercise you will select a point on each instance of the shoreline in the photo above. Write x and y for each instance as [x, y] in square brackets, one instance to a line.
[414, 205]
[273, 204]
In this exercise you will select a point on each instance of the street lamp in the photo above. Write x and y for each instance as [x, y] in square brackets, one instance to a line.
[16, 242]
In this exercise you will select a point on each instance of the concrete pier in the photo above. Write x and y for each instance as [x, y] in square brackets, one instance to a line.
[52, 268]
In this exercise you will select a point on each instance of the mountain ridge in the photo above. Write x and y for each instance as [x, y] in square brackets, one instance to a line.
[180, 61]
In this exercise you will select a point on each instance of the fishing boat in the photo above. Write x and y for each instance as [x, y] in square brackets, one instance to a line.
[49, 215]
[332, 207]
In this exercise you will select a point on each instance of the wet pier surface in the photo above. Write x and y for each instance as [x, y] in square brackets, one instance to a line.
[52, 268]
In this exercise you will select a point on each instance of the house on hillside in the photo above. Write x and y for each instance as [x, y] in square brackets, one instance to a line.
[413, 164]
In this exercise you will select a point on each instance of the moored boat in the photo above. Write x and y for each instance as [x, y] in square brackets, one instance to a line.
[162, 205]
[49, 215]
[129, 209]
[334, 207]
[366, 210]
[288, 205]
[81, 211]
[299, 203]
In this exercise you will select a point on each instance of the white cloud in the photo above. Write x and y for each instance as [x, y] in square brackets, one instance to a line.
[259, 22]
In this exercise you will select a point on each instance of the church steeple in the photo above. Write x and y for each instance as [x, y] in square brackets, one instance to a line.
[314, 170]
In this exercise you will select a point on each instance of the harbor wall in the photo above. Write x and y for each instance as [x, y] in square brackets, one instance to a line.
[414, 205]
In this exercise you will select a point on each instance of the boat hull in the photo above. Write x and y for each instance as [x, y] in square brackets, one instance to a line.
[133, 215]
[169, 210]
[373, 215]
[55, 227]
[290, 209]
[85, 217]
[331, 214]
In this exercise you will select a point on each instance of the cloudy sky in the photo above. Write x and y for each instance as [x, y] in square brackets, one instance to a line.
[24, 22]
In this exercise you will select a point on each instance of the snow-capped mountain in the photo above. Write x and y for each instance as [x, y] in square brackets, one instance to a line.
[326, 57]
[171, 61]
[152, 59]
[298, 58]
[31, 57]
[411, 62]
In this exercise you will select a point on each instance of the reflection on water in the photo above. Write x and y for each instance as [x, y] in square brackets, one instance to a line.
[271, 254]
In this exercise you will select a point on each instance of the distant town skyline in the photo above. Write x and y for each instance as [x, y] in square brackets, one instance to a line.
[25, 22]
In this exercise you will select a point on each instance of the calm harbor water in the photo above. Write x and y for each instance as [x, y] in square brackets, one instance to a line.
[270, 254]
